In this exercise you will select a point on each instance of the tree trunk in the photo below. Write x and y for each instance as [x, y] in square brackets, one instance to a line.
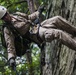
[31, 6]
[28, 54]
[59, 59]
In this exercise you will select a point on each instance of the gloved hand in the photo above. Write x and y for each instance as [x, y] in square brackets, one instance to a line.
[12, 63]
[36, 21]
[41, 8]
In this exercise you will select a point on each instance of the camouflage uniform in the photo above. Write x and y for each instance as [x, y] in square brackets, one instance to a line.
[22, 24]
[50, 29]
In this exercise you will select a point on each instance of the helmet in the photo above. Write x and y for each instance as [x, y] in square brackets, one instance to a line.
[3, 11]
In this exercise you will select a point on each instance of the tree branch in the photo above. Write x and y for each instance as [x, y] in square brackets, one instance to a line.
[31, 6]
[16, 3]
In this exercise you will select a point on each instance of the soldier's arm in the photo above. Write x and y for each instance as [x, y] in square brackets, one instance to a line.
[9, 39]
[22, 14]
[33, 16]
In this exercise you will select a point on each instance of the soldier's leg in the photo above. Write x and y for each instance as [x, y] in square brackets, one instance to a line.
[51, 34]
[61, 24]
[9, 43]
[65, 25]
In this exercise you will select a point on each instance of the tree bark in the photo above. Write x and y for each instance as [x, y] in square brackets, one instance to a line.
[29, 57]
[59, 59]
[29, 60]
[31, 6]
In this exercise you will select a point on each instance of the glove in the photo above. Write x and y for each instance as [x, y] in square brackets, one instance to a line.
[36, 21]
[12, 63]
[41, 8]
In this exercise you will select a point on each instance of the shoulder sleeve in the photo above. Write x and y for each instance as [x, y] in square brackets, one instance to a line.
[22, 14]
[9, 39]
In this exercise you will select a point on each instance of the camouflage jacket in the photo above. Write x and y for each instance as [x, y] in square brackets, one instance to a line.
[24, 23]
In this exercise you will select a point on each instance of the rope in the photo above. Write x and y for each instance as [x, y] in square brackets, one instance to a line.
[15, 70]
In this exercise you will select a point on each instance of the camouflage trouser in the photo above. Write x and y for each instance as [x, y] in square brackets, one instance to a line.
[58, 28]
